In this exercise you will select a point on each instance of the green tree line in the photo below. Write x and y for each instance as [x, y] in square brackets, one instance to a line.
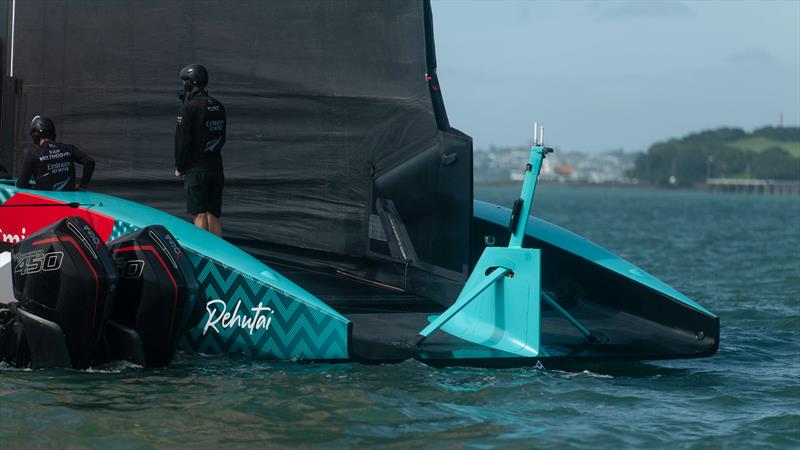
[766, 153]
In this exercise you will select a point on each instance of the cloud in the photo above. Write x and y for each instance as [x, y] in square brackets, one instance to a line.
[641, 8]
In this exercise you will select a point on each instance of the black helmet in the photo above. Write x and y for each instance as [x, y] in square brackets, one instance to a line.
[42, 127]
[194, 75]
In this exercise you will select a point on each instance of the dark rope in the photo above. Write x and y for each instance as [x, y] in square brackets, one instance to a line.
[51, 205]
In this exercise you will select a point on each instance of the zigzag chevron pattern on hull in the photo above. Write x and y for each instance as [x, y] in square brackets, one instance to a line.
[261, 320]
[121, 229]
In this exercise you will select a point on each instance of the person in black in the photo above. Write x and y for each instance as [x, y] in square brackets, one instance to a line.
[52, 164]
[199, 138]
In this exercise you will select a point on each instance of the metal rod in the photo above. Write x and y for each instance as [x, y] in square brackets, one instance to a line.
[45, 205]
[13, 24]
[535, 132]
[495, 275]
[585, 331]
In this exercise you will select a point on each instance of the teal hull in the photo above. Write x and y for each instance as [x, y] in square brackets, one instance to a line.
[246, 306]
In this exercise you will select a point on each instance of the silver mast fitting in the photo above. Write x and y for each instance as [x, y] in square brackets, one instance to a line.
[538, 134]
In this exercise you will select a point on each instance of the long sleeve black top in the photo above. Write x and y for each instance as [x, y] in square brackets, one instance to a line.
[200, 134]
[52, 166]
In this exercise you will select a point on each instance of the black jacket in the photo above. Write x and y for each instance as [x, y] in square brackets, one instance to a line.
[52, 165]
[200, 134]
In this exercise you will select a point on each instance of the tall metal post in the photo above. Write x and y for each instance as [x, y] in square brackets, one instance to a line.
[532, 169]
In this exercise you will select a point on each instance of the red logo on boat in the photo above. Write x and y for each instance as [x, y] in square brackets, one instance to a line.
[18, 223]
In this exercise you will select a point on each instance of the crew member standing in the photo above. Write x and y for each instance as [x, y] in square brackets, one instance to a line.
[52, 164]
[199, 138]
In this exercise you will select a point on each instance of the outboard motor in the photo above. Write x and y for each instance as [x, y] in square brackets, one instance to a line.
[64, 282]
[157, 291]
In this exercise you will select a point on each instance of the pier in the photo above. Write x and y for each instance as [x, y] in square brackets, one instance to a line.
[755, 186]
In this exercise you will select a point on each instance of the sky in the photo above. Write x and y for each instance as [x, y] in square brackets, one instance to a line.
[609, 75]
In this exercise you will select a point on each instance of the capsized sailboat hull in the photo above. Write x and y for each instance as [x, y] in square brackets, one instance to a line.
[634, 314]
[284, 311]
[631, 315]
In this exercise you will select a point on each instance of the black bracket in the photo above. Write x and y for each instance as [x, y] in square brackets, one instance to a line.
[515, 210]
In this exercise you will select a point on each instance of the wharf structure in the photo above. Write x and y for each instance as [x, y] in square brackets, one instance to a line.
[757, 186]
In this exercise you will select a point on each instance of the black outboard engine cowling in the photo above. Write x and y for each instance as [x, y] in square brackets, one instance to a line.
[157, 290]
[64, 274]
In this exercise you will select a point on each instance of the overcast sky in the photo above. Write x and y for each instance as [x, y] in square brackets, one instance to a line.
[616, 74]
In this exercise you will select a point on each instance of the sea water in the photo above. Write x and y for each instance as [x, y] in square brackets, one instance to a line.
[738, 255]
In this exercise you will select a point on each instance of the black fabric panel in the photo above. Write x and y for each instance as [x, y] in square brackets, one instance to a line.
[320, 95]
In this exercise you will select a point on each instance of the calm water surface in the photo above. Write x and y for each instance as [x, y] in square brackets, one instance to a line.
[737, 255]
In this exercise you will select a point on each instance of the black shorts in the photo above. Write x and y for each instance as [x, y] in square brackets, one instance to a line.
[204, 192]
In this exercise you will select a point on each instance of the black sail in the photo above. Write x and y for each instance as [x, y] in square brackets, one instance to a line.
[339, 156]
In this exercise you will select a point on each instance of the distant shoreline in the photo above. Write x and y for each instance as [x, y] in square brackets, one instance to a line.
[643, 186]
[501, 183]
